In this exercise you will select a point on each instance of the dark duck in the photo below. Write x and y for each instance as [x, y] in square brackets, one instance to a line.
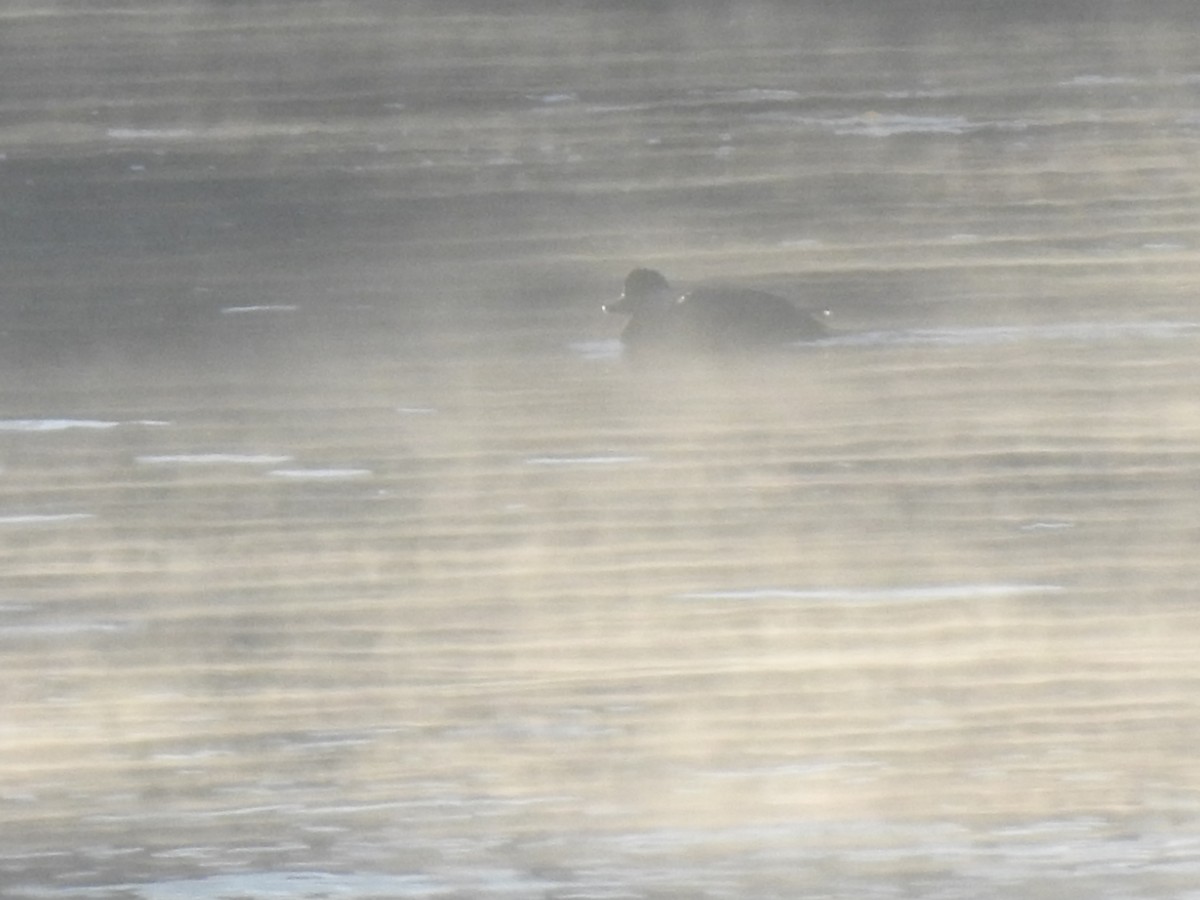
[708, 319]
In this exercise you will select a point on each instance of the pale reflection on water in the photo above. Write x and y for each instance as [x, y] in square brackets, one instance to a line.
[343, 556]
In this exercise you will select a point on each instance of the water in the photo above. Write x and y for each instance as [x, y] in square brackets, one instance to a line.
[342, 556]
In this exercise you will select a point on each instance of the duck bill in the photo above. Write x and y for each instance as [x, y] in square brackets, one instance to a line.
[619, 306]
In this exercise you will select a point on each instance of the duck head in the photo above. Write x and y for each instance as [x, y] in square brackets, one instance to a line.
[644, 289]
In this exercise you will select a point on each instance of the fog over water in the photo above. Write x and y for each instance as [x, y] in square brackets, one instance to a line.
[342, 553]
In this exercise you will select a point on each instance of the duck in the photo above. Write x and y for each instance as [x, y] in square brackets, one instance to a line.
[712, 319]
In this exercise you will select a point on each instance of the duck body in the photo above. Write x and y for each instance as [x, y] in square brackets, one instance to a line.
[708, 319]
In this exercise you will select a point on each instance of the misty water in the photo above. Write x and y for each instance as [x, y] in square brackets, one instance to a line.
[343, 556]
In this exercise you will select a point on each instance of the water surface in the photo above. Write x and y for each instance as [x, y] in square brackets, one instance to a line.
[342, 556]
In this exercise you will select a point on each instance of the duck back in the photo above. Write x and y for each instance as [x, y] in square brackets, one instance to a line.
[735, 318]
